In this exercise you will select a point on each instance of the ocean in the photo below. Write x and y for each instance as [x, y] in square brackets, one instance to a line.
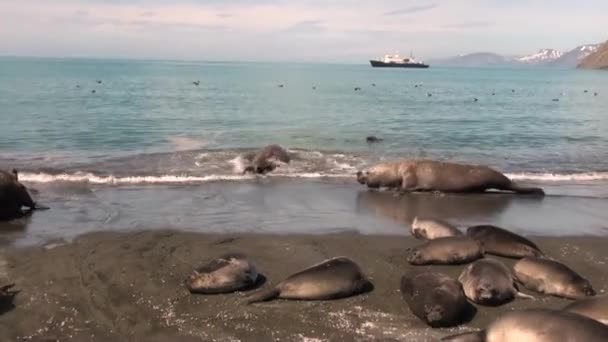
[136, 144]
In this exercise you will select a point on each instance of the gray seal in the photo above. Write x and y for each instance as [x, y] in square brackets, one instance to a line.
[14, 196]
[228, 273]
[433, 229]
[436, 298]
[489, 282]
[413, 175]
[552, 278]
[538, 325]
[446, 251]
[334, 278]
[502, 242]
[267, 159]
[594, 307]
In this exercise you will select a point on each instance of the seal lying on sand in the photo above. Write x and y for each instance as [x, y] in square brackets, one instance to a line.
[331, 279]
[489, 282]
[429, 175]
[501, 242]
[538, 325]
[595, 308]
[436, 298]
[14, 196]
[446, 251]
[228, 273]
[6, 297]
[433, 229]
[266, 159]
[552, 278]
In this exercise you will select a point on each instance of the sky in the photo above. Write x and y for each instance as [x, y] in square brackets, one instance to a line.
[349, 31]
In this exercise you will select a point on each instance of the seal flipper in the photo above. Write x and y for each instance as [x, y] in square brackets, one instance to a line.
[264, 295]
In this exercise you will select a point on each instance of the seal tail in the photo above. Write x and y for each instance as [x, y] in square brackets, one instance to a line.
[263, 295]
[525, 190]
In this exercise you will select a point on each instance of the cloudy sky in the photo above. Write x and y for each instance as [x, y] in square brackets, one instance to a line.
[283, 30]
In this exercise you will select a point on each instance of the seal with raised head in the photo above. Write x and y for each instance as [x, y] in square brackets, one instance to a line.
[502, 242]
[552, 278]
[436, 298]
[412, 175]
[446, 251]
[489, 282]
[433, 229]
[593, 307]
[267, 159]
[538, 325]
[228, 273]
[334, 278]
[13, 196]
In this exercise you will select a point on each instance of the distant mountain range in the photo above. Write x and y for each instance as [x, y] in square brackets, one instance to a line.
[596, 60]
[542, 58]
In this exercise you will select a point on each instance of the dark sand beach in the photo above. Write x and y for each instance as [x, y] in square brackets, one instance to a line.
[111, 286]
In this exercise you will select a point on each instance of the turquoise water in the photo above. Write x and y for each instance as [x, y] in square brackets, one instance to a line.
[147, 117]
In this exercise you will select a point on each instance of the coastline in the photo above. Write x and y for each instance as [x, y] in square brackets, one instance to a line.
[128, 286]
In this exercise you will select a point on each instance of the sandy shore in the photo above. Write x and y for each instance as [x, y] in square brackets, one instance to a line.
[128, 286]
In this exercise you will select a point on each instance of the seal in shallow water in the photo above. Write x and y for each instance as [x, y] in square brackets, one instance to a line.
[13, 196]
[228, 273]
[538, 325]
[429, 175]
[331, 279]
[489, 282]
[267, 159]
[433, 229]
[552, 278]
[436, 298]
[502, 242]
[446, 251]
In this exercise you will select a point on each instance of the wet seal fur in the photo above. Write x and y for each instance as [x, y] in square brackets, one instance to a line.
[436, 298]
[537, 325]
[14, 197]
[7, 296]
[501, 242]
[433, 229]
[267, 159]
[489, 282]
[411, 175]
[334, 278]
[228, 273]
[452, 250]
[593, 307]
[552, 278]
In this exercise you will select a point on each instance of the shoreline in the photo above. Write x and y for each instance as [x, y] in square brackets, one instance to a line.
[126, 286]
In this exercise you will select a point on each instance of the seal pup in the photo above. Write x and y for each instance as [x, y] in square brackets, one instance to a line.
[411, 175]
[501, 242]
[333, 278]
[436, 298]
[552, 278]
[433, 229]
[267, 159]
[7, 296]
[451, 250]
[489, 282]
[228, 273]
[538, 325]
[594, 307]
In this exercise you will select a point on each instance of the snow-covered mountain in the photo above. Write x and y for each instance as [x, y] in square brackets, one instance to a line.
[573, 57]
[541, 57]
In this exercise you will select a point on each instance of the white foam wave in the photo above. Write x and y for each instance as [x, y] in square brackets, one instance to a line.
[557, 177]
[113, 180]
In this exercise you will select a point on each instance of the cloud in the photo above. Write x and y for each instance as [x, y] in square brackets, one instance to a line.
[410, 10]
[307, 26]
[468, 25]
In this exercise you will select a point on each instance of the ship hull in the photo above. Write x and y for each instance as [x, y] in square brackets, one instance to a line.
[379, 64]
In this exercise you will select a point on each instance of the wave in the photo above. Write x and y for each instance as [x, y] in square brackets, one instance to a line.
[557, 177]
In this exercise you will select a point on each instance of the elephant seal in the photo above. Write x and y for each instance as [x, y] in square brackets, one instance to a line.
[436, 298]
[595, 308]
[433, 229]
[538, 325]
[334, 278]
[7, 296]
[446, 251]
[266, 159]
[412, 175]
[373, 139]
[228, 273]
[552, 278]
[489, 282]
[502, 242]
[14, 196]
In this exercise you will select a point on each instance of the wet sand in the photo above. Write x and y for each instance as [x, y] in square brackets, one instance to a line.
[112, 286]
